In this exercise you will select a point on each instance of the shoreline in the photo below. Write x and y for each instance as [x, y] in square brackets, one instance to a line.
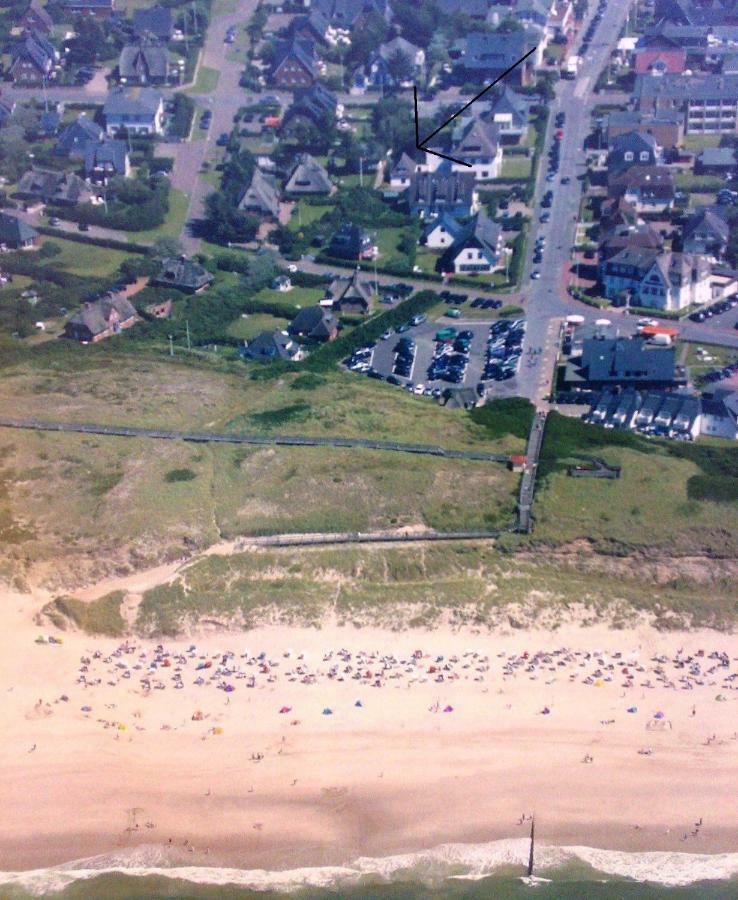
[395, 775]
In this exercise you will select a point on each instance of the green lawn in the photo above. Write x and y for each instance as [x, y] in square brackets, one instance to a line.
[85, 259]
[206, 81]
[305, 213]
[515, 167]
[297, 298]
[174, 221]
[698, 365]
[245, 328]
[697, 142]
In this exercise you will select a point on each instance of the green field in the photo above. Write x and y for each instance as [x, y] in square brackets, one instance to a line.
[173, 222]
[85, 259]
[248, 327]
[206, 81]
[515, 167]
[293, 299]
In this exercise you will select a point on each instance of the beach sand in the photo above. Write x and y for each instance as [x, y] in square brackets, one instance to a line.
[391, 776]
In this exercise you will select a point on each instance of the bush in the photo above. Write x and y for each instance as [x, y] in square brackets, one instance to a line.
[500, 417]
[108, 243]
[175, 475]
[184, 111]
[716, 488]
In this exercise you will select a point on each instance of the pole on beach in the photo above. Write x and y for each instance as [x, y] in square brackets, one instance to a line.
[532, 846]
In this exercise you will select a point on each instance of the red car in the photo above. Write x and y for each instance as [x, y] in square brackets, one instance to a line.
[559, 135]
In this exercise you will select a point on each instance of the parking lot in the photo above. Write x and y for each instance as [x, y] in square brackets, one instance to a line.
[432, 356]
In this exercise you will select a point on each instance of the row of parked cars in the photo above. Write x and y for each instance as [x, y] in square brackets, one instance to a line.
[504, 349]
[589, 33]
[715, 309]
[404, 350]
[721, 374]
[450, 358]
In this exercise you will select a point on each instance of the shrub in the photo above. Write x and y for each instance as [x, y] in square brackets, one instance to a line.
[175, 475]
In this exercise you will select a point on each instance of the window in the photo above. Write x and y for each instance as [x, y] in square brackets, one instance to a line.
[644, 155]
[628, 156]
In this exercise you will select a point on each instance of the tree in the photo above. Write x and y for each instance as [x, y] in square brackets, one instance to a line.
[165, 246]
[400, 67]
[88, 42]
[13, 152]
[225, 223]
[366, 41]
[509, 25]
[394, 124]
[418, 21]
[262, 270]
[438, 50]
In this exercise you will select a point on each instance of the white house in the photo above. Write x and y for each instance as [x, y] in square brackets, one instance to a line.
[442, 231]
[720, 415]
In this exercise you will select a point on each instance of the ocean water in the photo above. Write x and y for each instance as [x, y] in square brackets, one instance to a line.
[447, 872]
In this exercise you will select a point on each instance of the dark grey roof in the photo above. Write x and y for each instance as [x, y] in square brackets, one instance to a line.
[627, 359]
[705, 220]
[442, 189]
[34, 48]
[404, 167]
[261, 195]
[157, 21]
[345, 13]
[52, 186]
[479, 139]
[697, 86]
[718, 156]
[15, 231]
[108, 155]
[308, 177]
[313, 321]
[41, 14]
[143, 62]
[270, 345]
[75, 137]
[183, 273]
[515, 104]
[485, 52]
[481, 232]
[302, 51]
[135, 101]
[387, 51]
[316, 103]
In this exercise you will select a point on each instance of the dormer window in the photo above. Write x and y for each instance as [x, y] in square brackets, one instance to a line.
[628, 156]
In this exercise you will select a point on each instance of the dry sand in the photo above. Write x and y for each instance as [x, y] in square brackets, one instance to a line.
[389, 777]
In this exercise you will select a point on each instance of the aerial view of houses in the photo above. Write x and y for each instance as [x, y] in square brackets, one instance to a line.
[369, 447]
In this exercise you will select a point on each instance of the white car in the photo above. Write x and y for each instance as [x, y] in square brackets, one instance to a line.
[418, 389]
[535, 275]
[292, 268]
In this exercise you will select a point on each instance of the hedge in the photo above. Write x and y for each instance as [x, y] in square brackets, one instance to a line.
[80, 238]
[184, 111]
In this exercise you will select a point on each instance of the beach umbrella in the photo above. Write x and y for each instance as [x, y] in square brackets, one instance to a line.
[658, 715]
[448, 709]
[358, 703]
[286, 709]
[327, 711]
[86, 709]
[121, 726]
[229, 689]
[217, 730]
[632, 709]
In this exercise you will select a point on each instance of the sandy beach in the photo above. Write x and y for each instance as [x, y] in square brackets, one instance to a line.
[262, 776]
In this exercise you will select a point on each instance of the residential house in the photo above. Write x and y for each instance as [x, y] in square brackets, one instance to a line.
[381, 72]
[403, 171]
[101, 319]
[349, 296]
[477, 250]
[720, 414]
[313, 27]
[295, 65]
[649, 189]
[349, 14]
[261, 195]
[106, 160]
[668, 281]
[308, 177]
[716, 161]
[510, 112]
[75, 138]
[314, 322]
[352, 242]
[442, 231]
[628, 237]
[478, 150]
[36, 19]
[623, 360]
[706, 232]
[144, 63]
[154, 22]
[481, 57]
[709, 103]
[33, 59]
[633, 149]
[696, 12]
[134, 110]
[183, 274]
[16, 234]
[444, 190]
[657, 54]
[272, 345]
[49, 121]
[315, 106]
[667, 128]
[50, 186]
[98, 9]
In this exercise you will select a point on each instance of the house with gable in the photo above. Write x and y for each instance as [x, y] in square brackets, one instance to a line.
[442, 231]
[403, 171]
[144, 63]
[650, 189]
[268, 346]
[295, 65]
[669, 281]
[100, 319]
[261, 195]
[37, 19]
[75, 138]
[134, 110]
[478, 150]
[106, 160]
[349, 296]
[633, 149]
[308, 177]
[443, 190]
[481, 57]
[317, 323]
[183, 274]
[510, 112]
[33, 59]
[706, 232]
[16, 234]
[477, 249]
[380, 74]
[312, 106]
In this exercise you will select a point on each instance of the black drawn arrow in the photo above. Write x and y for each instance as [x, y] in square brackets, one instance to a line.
[420, 145]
